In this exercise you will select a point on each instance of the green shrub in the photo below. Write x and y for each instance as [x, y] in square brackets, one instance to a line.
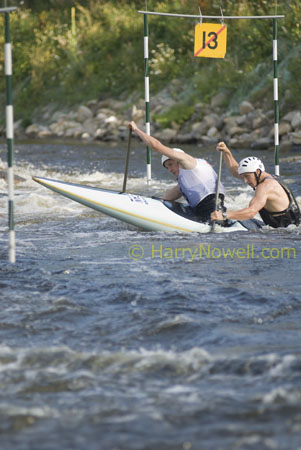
[179, 114]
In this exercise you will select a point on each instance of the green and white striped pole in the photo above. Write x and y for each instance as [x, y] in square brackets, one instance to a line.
[276, 106]
[147, 114]
[10, 138]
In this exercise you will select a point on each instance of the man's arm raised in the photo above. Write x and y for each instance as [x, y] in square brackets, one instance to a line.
[186, 161]
[230, 161]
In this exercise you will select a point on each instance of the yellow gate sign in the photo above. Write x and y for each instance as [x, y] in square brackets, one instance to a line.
[210, 40]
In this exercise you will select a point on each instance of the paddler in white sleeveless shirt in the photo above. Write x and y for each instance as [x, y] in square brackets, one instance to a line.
[197, 180]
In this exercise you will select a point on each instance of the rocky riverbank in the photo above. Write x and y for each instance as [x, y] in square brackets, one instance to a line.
[107, 120]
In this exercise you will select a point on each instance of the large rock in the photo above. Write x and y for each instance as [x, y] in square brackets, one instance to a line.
[101, 117]
[113, 104]
[218, 100]
[261, 144]
[100, 134]
[44, 132]
[106, 111]
[73, 129]
[237, 131]
[283, 128]
[286, 143]
[123, 132]
[244, 140]
[259, 121]
[112, 121]
[167, 135]
[58, 128]
[246, 107]
[137, 114]
[212, 132]
[235, 143]
[288, 117]
[84, 113]
[32, 129]
[113, 135]
[241, 120]
[230, 122]
[207, 141]
[18, 128]
[296, 137]
[210, 120]
[186, 138]
[296, 121]
[198, 129]
[90, 126]
[58, 115]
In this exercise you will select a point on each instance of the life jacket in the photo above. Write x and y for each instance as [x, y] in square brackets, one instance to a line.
[290, 215]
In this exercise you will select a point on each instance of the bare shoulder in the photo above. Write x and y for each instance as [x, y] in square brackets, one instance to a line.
[271, 188]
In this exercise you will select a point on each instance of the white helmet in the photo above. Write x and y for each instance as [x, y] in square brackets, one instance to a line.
[165, 158]
[250, 164]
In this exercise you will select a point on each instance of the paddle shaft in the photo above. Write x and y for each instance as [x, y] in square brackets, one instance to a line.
[218, 180]
[127, 160]
[218, 185]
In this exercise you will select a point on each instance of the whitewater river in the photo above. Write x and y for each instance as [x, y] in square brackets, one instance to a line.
[102, 349]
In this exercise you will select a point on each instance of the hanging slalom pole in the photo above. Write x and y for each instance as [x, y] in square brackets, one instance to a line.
[9, 136]
[276, 106]
[147, 114]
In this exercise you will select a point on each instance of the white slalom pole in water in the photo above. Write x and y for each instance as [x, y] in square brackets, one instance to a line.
[9, 135]
[147, 114]
[276, 106]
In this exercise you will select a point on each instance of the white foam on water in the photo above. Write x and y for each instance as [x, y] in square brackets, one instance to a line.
[62, 356]
[282, 395]
[7, 409]
[174, 321]
[256, 441]
[192, 359]
[282, 366]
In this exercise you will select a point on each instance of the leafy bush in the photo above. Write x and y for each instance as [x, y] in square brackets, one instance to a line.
[178, 113]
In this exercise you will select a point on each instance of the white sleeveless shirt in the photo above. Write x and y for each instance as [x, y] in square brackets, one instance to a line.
[198, 183]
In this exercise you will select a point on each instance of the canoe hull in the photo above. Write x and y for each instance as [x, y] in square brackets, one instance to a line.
[144, 212]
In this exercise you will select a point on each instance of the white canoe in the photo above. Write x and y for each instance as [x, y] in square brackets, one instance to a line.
[150, 214]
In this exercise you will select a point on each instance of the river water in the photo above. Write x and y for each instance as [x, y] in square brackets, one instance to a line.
[106, 349]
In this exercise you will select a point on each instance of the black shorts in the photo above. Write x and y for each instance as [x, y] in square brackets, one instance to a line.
[207, 206]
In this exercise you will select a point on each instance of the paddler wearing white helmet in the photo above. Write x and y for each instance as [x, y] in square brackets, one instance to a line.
[196, 178]
[273, 200]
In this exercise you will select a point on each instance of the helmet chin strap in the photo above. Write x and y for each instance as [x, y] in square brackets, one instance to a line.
[257, 177]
